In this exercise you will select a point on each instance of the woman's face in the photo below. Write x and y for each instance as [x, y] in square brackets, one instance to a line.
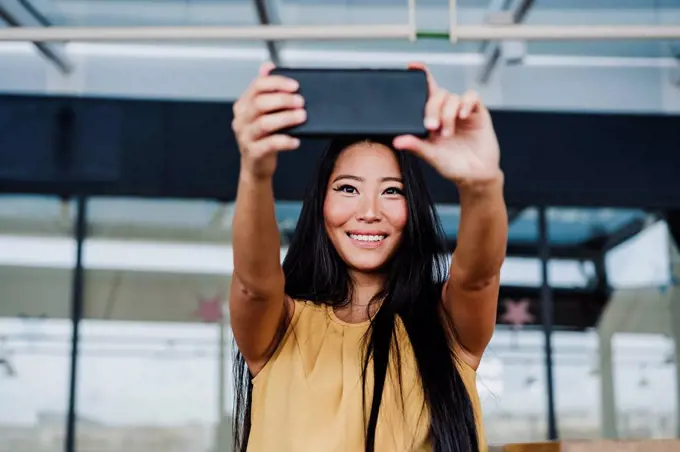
[365, 211]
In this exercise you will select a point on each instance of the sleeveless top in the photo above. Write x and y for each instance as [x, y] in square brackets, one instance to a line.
[308, 397]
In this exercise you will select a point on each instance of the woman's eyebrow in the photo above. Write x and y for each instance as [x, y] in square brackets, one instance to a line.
[361, 179]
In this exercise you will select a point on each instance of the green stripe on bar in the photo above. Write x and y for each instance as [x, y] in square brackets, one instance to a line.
[432, 35]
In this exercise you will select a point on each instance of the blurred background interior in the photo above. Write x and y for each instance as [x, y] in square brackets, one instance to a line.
[117, 177]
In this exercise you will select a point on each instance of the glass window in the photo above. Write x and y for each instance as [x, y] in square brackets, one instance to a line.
[577, 384]
[511, 384]
[644, 386]
[36, 258]
[154, 365]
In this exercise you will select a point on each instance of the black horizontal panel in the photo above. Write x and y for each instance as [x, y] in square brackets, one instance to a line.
[59, 141]
[185, 149]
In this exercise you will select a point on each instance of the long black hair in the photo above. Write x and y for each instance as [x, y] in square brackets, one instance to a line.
[412, 291]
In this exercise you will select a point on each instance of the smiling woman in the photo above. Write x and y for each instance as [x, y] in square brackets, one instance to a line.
[361, 340]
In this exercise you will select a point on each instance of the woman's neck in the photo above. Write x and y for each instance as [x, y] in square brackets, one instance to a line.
[366, 286]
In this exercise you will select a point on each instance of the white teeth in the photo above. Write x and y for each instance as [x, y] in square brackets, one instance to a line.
[367, 238]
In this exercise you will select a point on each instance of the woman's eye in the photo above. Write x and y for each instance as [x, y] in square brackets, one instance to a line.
[346, 189]
[394, 191]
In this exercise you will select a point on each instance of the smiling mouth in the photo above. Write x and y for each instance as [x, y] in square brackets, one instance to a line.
[367, 238]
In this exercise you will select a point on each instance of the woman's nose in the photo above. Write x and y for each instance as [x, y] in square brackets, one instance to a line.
[369, 210]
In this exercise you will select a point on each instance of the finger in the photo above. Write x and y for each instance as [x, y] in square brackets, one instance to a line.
[470, 103]
[266, 68]
[264, 82]
[433, 109]
[431, 82]
[275, 143]
[270, 102]
[411, 143]
[266, 124]
[243, 108]
[449, 114]
[272, 83]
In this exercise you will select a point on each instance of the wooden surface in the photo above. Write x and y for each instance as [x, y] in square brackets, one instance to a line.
[532, 447]
[623, 446]
[593, 446]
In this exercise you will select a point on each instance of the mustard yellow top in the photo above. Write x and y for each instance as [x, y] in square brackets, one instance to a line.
[308, 397]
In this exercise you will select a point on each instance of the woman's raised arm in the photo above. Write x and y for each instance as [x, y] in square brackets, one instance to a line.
[463, 148]
[257, 299]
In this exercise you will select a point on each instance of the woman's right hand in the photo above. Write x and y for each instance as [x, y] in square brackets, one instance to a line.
[269, 104]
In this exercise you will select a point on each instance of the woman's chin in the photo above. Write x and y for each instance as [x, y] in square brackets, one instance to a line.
[367, 265]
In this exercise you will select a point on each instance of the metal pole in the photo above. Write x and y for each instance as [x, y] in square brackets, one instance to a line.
[188, 33]
[521, 32]
[263, 16]
[76, 315]
[338, 32]
[547, 317]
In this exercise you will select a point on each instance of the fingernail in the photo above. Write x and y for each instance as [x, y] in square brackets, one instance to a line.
[293, 85]
[301, 114]
[299, 101]
[464, 112]
[431, 123]
[296, 142]
[446, 132]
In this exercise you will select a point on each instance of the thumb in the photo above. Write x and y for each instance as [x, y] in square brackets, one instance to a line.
[415, 145]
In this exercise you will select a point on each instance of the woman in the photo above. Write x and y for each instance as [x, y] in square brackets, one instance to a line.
[359, 341]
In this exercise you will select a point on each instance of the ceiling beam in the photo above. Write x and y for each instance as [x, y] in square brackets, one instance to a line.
[267, 14]
[625, 233]
[601, 243]
[559, 252]
[514, 213]
[493, 50]
[21, 13]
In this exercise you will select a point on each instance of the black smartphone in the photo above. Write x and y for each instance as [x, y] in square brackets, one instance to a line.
[360, 102]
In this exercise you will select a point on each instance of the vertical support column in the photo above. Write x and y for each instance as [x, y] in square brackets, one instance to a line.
[602, 281]
[674, 305]
[607, 397]
[412, 25]
[77, 307]
[547, 317]
[608, 417]
[453, 22]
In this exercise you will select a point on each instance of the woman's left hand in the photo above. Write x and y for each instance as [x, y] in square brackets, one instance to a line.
[462, 145]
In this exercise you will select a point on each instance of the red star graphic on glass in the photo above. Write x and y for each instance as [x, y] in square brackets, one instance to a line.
[210, 309]
[517, 312]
